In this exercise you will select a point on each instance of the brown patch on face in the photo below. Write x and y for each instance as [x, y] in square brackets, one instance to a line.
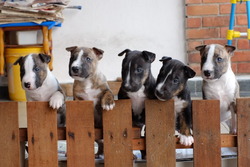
[181, 87]
[40, 69]
[221, 53]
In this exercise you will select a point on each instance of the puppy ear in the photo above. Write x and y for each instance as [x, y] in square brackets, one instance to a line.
[148, 56]
[125, 51]
[165, 59]
[98, 52]
[70, 49]
[189, 72]
[45, 58]
[230, 49]
[18, 61]
[200, 48]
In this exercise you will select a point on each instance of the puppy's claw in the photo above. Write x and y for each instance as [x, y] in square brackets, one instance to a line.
[186, 140]
[57, 100]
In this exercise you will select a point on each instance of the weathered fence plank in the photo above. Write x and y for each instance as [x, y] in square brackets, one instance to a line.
[42, 135]
[117, 134]
[9, 140]
[160, 130]
[206, 130]
[243, 113]
[80, 134]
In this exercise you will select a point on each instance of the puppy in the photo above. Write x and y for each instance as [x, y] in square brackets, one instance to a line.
[219, 81]
[89, 82]
[171, 84]
[138, 83]
[40, 84]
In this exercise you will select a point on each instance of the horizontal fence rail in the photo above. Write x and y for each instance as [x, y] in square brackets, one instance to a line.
[119, 137]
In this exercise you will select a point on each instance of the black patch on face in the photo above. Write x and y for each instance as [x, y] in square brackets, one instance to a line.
[176, 80]
[138, 69]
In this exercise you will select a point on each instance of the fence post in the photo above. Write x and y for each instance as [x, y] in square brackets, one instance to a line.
[42, 135]
[160, 133]
[9, 143]
[117, 134]
[80, 134]
[243, 137]
[206, 131]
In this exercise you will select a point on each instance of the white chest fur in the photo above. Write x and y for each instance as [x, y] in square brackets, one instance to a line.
[138, 100]
[89, 93]
[223, 90]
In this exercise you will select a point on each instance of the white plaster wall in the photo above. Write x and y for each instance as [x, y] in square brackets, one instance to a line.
[115, 25]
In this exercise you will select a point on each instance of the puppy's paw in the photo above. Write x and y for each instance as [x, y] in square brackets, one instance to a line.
[233, 131]
[108, 102]
[56, 100]
[186, 140]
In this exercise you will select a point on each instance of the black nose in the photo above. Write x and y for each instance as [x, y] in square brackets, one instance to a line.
[75, 69]
[207, 73]
[27, 84]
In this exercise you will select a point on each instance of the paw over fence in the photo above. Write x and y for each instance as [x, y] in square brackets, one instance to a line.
[120, 138]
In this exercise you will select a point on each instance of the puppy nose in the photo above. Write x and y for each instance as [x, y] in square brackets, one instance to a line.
[75, 69]
[27, 84]
[207, 73]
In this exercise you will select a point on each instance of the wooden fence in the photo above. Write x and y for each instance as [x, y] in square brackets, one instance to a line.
[120, 138]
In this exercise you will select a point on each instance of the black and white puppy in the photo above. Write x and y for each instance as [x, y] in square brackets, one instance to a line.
[219, 81]
[138, 83]
[171, 84]
[40, 84]
[89, 82]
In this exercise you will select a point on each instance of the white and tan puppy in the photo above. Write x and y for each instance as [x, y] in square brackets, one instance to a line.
[40, 84]
[89, 81]
[219, 81]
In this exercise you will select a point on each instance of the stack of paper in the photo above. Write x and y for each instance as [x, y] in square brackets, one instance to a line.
[31, 10]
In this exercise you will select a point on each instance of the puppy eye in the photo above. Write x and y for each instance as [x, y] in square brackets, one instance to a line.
[88, 59]
[175, 81]
[139, 70]
[37, 69]
[219, 59]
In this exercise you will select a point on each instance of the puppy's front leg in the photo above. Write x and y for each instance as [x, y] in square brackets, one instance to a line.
[57, 100]
[185, 136]
[233, 127]
[108, 102]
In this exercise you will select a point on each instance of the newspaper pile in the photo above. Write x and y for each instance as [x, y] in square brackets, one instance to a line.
[16, 11]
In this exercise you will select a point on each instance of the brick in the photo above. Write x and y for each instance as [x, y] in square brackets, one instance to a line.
[223, 32]
[243, 68]
[215, 1]
[226, 8]
[194, 57]
[198, 10]
[241, 20]
[196, 67]
[193, 1]
[192, 44]
[202, 33]
[243, 44]
[241, 56]
[215, 21]
[193, 22]
[241, 8]
[215, 41]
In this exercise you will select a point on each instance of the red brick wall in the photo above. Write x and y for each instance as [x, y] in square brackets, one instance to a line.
[207, 22]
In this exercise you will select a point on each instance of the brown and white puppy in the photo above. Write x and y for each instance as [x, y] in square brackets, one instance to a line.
[219, 81]
[89, 82]
[40, 84]
[171, 83]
